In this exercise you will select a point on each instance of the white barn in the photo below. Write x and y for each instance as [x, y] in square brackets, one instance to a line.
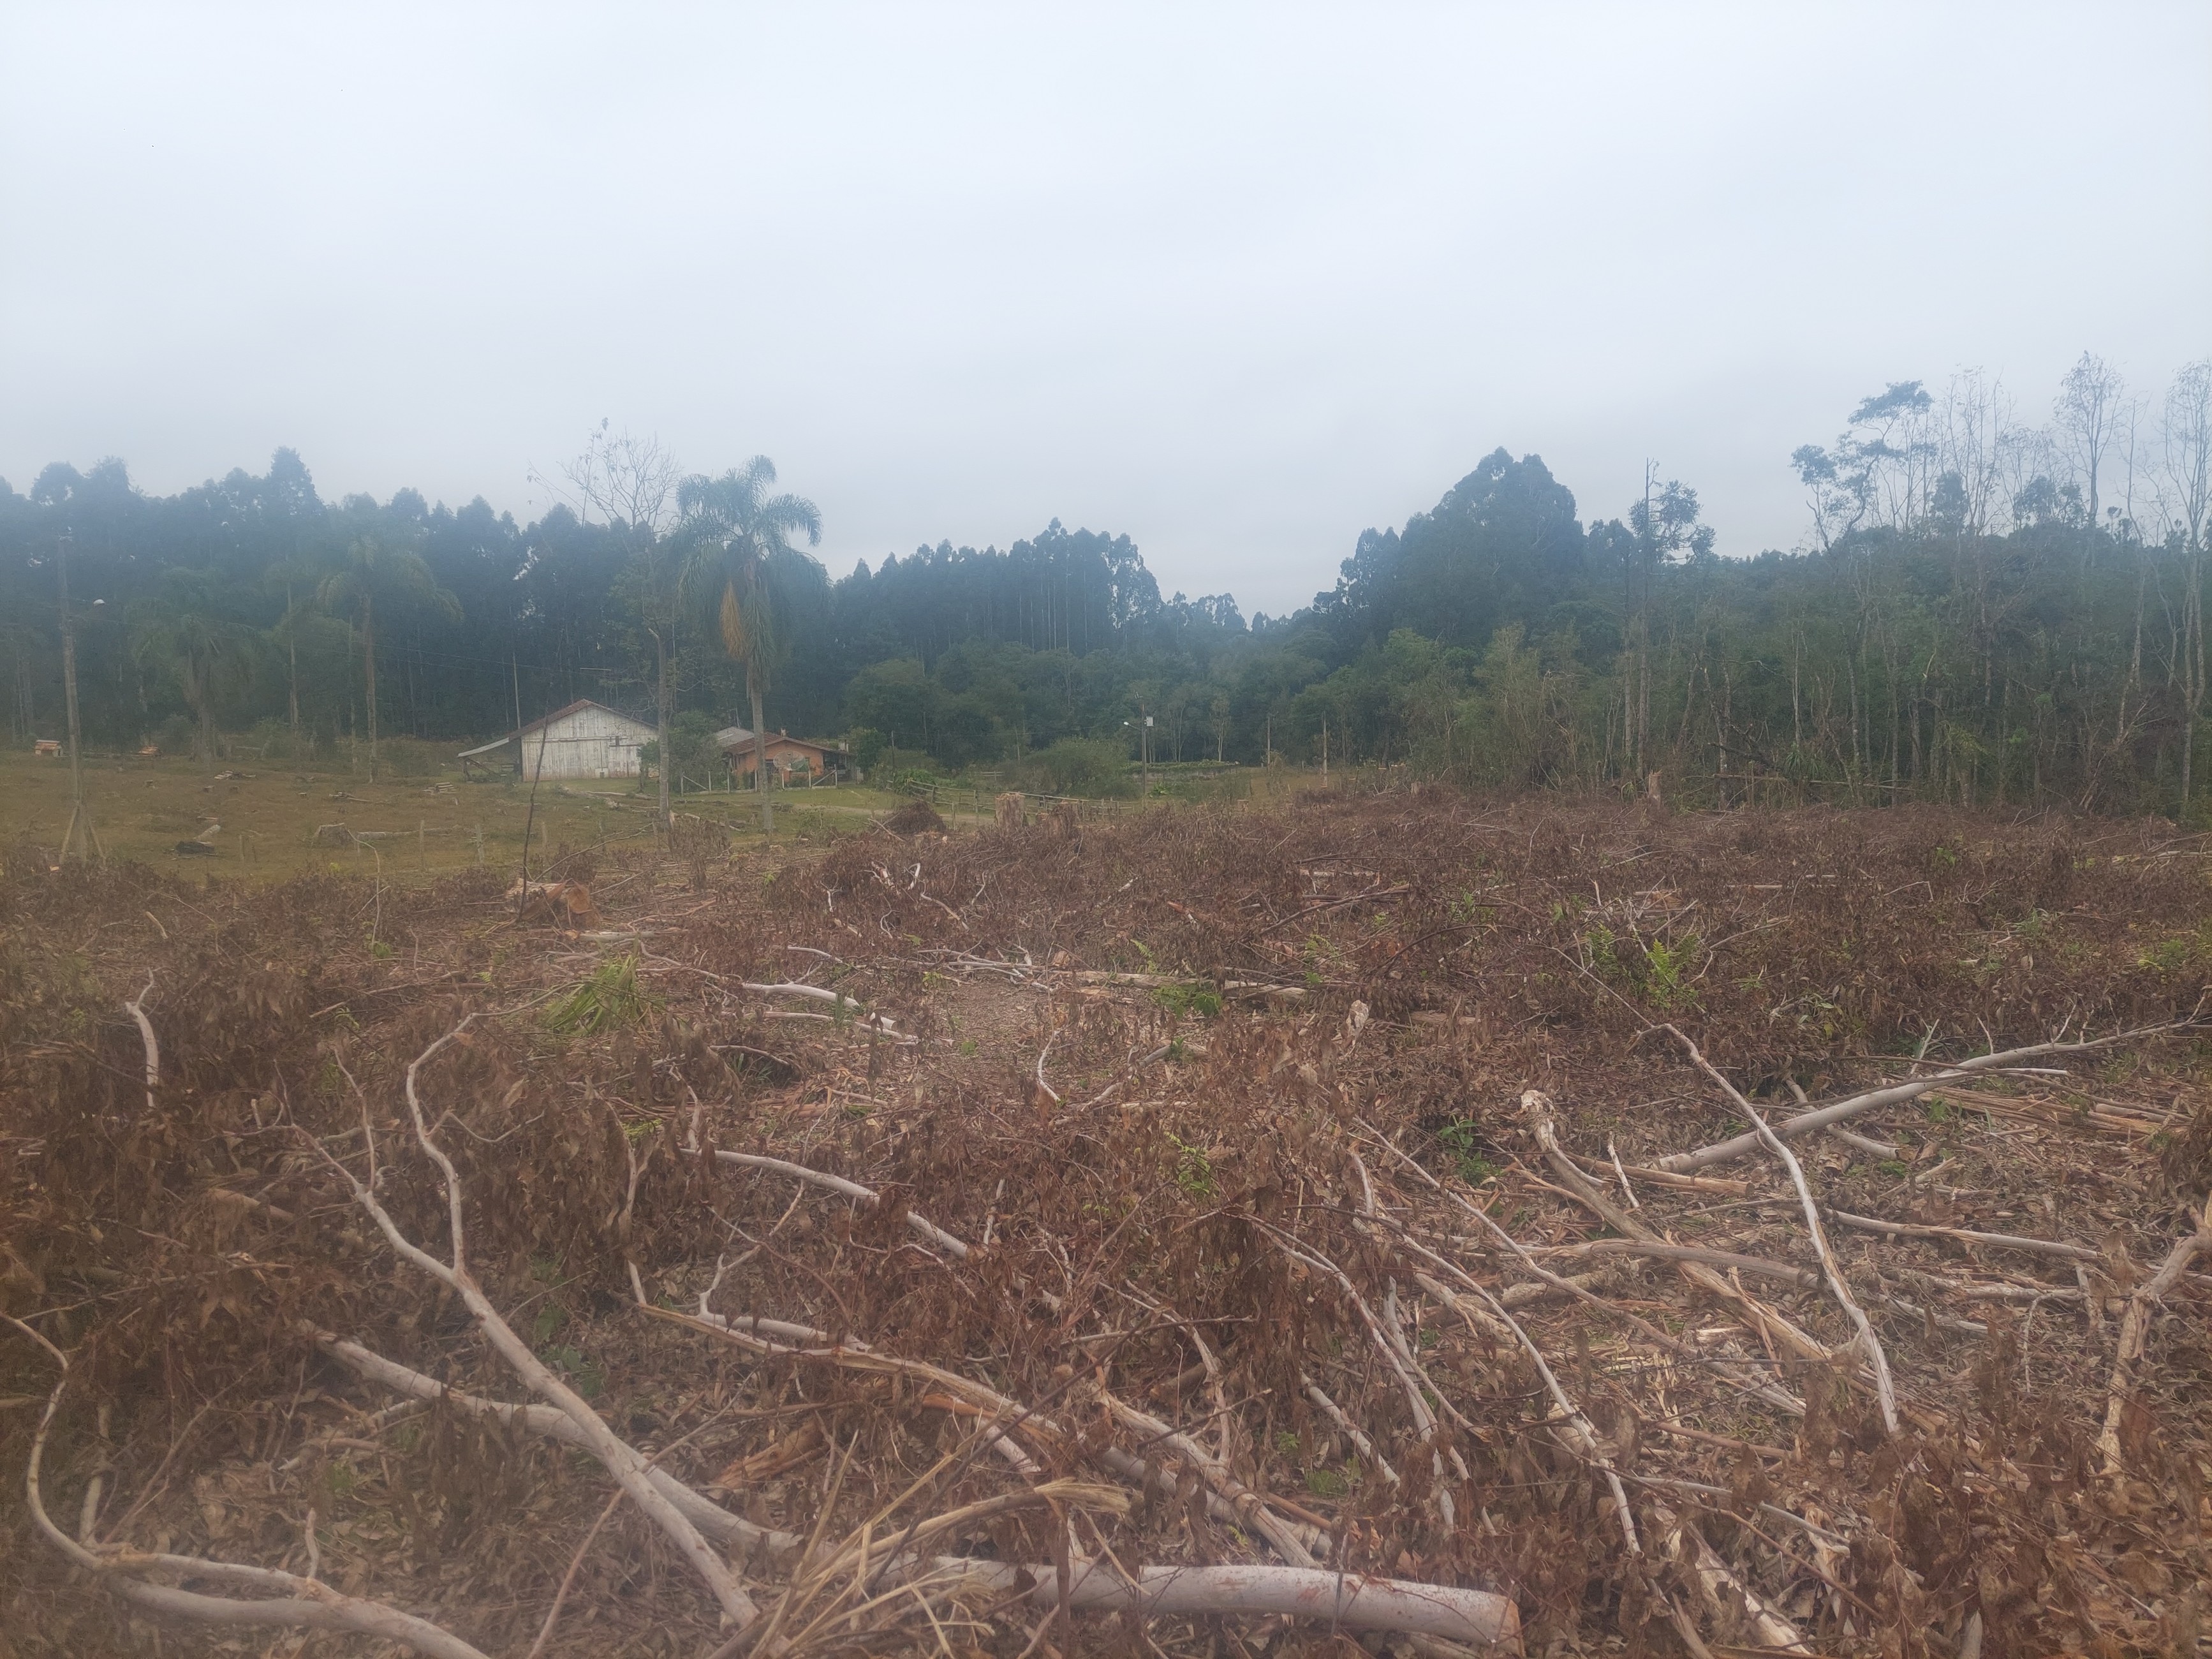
[584, 740]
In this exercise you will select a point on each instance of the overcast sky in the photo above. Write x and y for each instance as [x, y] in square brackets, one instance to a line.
[1240, 281]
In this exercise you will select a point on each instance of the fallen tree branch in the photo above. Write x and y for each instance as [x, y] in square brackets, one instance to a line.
[1538, 1107]
[1347, 1601]
[1966, 1236]
[963, 1394]
[1721, 1186]
[929, 1230]
[1585, 1434]
[897, 1039]
[1836, 1132]
[135, 1008]
[1885, 1387]
[568, 1579]
[1773, 1394]
[1743, 1145]
[1416, 1402]
[857, 1554]
[304, 1602]
[1351, 1430]
[1157, 1053]
[1719, 1588]
[1250, 1507]
[2134, 1331]
[1758, 1266]
[837, 999]
[1365, 1604]
[709, 1517]
[621, 1460]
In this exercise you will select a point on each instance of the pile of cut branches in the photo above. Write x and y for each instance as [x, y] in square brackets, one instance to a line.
[1398, 1220]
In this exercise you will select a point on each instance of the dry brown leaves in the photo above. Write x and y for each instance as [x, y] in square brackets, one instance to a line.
[1154, 1056]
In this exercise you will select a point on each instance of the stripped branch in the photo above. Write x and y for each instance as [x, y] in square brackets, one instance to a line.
[1869, 1344]
[301, 1603]
[1344, 1601]
[2134, 1331]
[709, 1517]
[935, 1234]
[1743, 1145]
[135, 1007]
[622, 1459]
[1350, 1430]
[1761, 1318]
[1251, 1508]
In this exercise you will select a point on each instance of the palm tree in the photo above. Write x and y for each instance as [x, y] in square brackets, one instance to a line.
[737, 535]
[381, 569]
[207, 656]
[307, 629]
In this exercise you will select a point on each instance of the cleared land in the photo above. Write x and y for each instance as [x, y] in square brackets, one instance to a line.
[1225, 1195]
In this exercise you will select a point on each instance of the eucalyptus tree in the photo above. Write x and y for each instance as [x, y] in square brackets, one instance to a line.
[1666, 528]
[326, 642]
[2185, 495]
[737, 534]
[380, 570]
[297, 623]
[2087, 414]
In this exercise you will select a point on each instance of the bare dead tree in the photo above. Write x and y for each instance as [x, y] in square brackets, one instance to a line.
[630, 483]
[2087, 417]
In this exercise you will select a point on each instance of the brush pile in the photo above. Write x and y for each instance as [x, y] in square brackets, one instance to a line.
[1400, 1221]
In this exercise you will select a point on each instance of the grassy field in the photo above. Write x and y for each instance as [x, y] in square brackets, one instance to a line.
[280, 820]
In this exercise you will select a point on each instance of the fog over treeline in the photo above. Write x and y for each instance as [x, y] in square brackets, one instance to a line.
[1983, 608]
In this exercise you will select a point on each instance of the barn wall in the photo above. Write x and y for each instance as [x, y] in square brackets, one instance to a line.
[591, 743]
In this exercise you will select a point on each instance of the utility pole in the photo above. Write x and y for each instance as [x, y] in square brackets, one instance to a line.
[1145, 749]
[530, 819]
[80, 815]
[514, 672]
[1640, 713]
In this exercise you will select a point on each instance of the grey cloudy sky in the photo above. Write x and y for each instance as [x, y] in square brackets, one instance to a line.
[1239, 281]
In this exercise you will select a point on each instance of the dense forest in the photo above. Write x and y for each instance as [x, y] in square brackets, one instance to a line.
[1982, 610]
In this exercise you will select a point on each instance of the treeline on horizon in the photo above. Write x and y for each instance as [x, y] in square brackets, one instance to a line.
[1984, 611]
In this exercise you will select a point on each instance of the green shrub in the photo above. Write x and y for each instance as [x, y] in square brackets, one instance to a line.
[695, 761]
[865, 745]
[177, 735]
[1666, 970]
[272, 739]
[1077, 766]
[893, 763]
[409, 757]
[610, 997]
[1193, 1169]
[1196, 998]
[1462, 1138]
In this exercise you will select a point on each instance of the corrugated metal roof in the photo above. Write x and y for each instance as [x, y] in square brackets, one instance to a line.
[737, 737]
[577, 707]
